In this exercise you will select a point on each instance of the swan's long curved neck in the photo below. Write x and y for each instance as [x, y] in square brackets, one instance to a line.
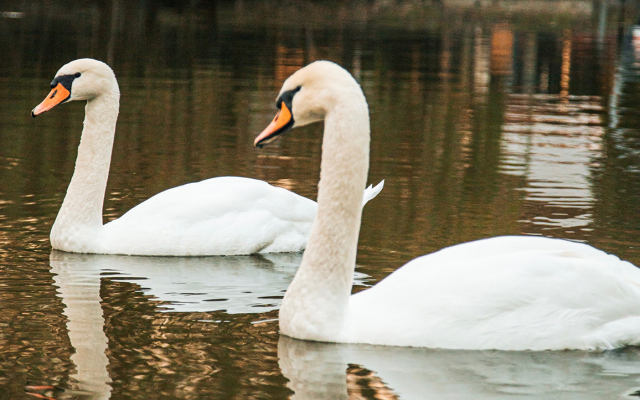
[81, 210]
[315, 304]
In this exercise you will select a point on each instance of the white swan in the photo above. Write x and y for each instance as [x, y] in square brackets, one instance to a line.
[510, 293]
[218, 216]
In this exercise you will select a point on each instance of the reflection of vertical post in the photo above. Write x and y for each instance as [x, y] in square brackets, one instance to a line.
[545, 52]
[544, 77]
[445, 65]
[357, 61]
[616, 91]
[79, 287]
[529, 63]
[621, 21]
[602, 23]
[445, 54]
[466, 80]
[501, 50]
[311, 48]
[415, 70]
[465, 59]
[112, 35]
[565, 69]
[482, 62]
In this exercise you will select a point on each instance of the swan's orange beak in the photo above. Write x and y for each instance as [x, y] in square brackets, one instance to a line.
[58, 95]
[280, 124]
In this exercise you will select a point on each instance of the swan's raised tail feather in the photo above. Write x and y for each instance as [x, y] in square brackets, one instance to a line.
[371, 192]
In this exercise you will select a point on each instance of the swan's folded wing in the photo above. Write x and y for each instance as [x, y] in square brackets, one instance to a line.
[504, 293]
[226, 215]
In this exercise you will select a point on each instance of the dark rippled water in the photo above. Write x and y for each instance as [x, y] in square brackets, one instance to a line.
[487, 119]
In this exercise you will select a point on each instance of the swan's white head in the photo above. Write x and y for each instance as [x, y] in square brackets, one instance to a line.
[82, 79]
[307, 96]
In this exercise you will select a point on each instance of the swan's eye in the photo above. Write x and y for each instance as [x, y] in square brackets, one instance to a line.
[64, 80]
[287, 97]
[77, 74]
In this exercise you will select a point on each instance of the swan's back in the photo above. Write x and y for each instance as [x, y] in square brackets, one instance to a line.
[511, 292]
[224, 215]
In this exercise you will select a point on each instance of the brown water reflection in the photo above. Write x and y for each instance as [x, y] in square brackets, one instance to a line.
[487, 119]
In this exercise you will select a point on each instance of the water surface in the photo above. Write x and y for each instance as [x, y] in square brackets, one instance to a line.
[486, 120]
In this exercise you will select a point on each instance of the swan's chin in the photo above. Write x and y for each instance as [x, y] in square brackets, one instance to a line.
[267, 140]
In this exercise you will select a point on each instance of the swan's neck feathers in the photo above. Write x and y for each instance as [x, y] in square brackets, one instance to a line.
[80, 216]
[316, 302]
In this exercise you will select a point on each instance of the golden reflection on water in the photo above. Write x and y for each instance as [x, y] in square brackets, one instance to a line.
[483, 123]
[554, 145]
[566, 64]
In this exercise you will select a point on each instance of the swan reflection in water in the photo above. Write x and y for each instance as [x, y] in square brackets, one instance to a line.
[233, 284]
[342, 371]
[321, 370]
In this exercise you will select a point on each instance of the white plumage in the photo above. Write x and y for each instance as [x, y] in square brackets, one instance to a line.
[218, 216]
[224, 215]
[509, 293]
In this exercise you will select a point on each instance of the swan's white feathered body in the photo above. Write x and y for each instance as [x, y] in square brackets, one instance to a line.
[509, 293]
[224, 215]
[218, 216]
